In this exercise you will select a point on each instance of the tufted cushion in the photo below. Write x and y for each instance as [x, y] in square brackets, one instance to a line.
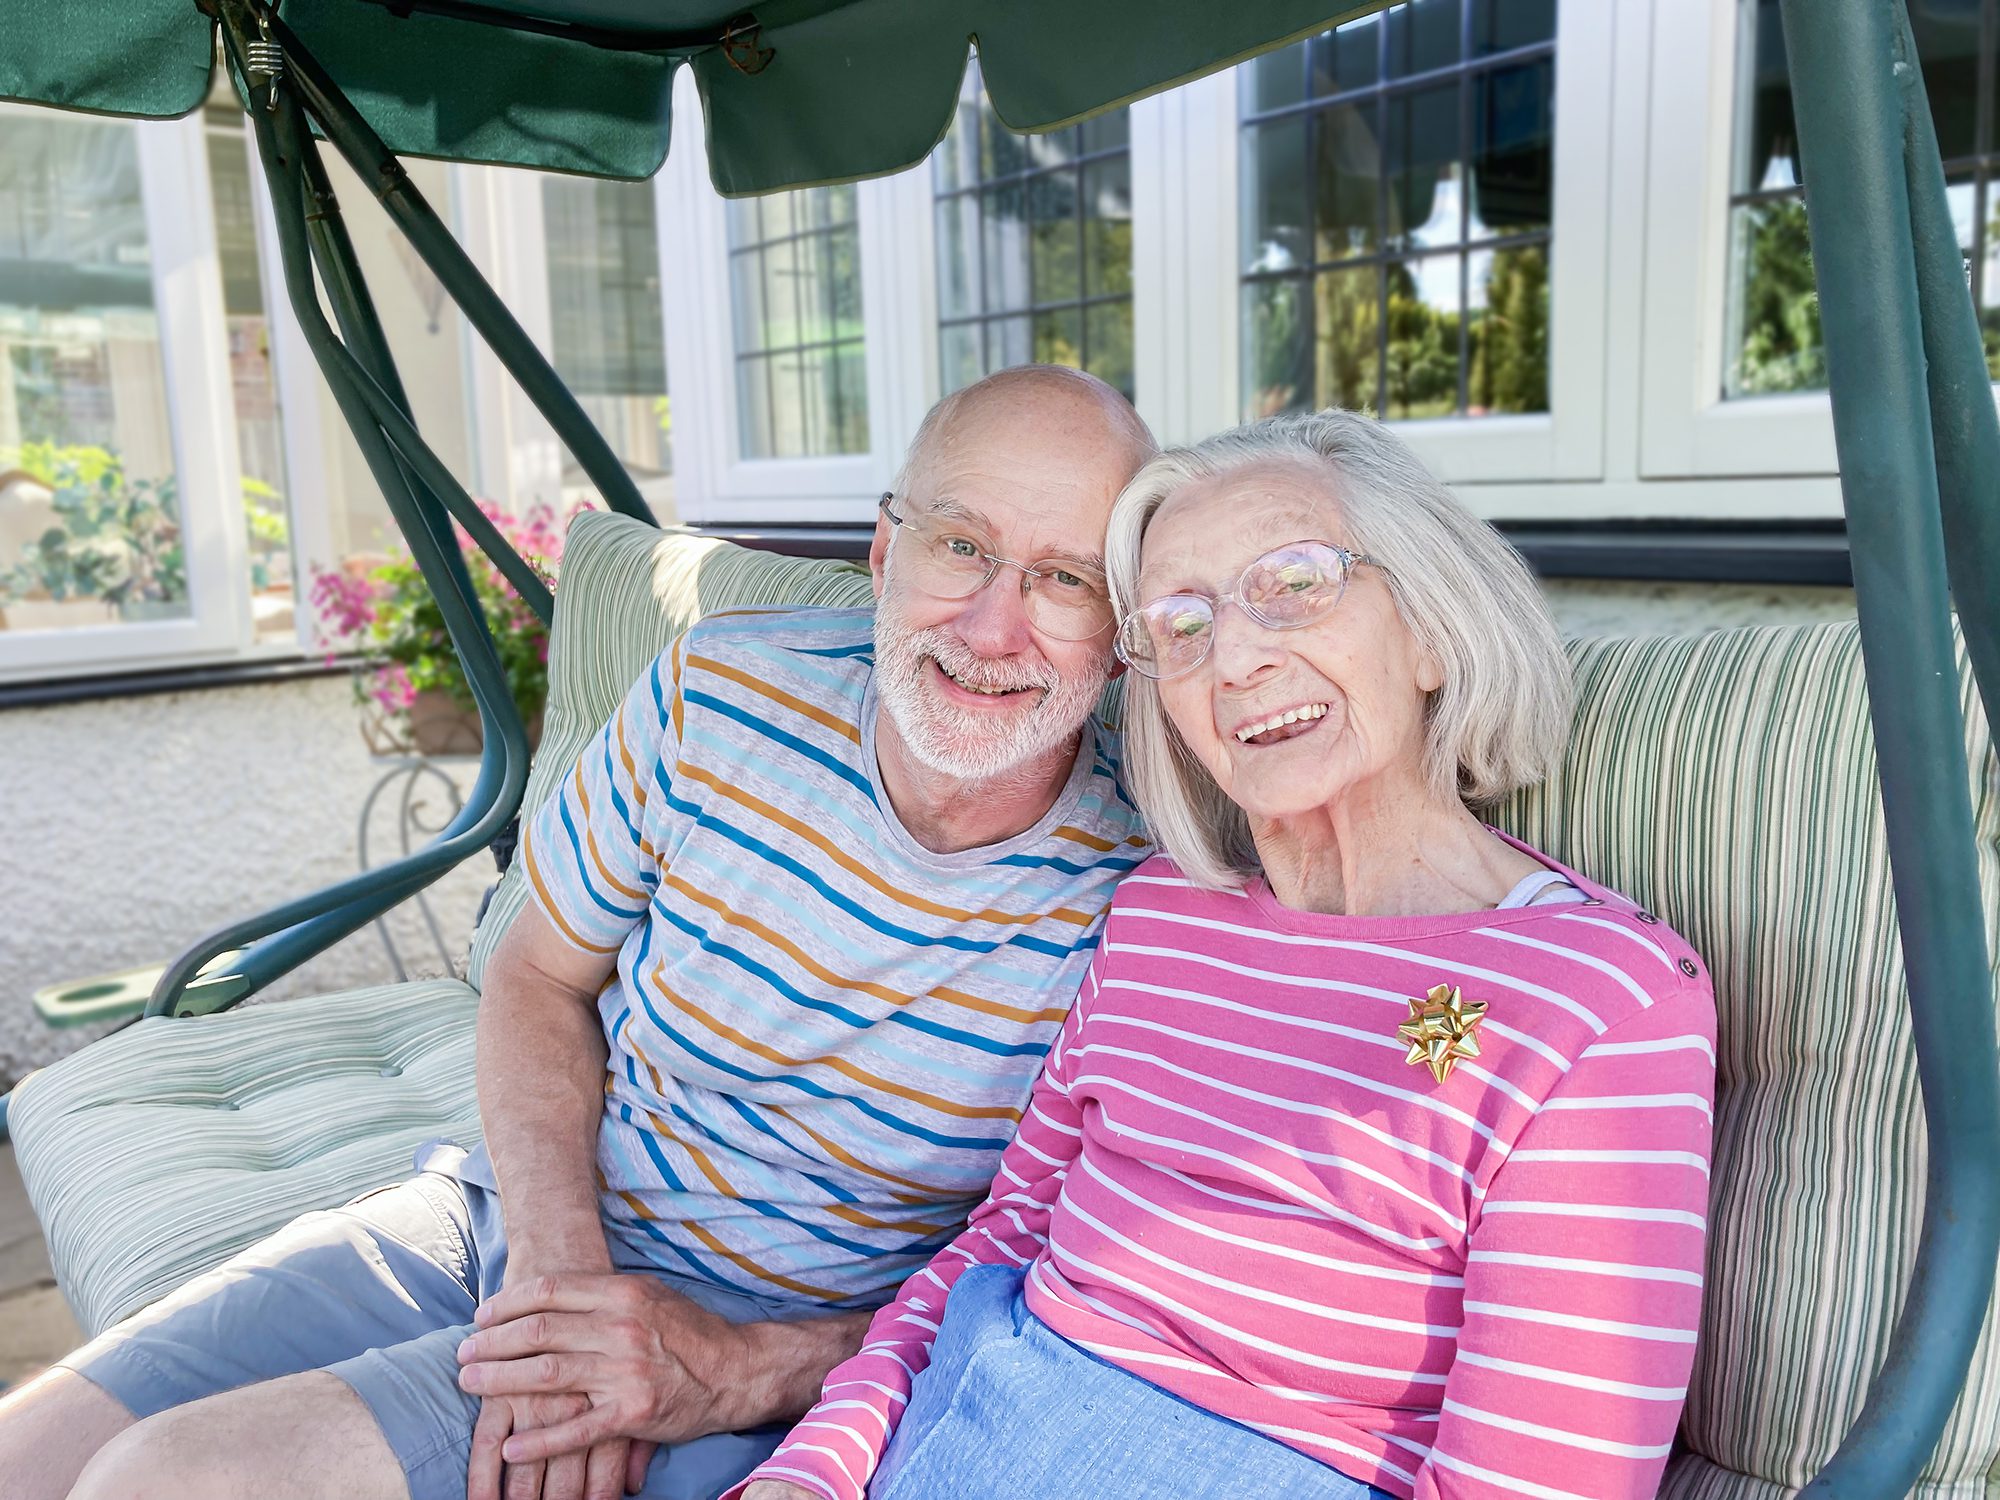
[158, 1151]
[1729, 781]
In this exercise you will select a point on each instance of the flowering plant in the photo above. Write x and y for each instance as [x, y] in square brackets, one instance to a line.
[388, 615]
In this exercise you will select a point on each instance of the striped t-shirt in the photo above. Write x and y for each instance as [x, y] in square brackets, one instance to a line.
[821, 1033]
[1232, 1182]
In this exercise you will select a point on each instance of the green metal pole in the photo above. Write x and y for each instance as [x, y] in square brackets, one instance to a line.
[379, 168]
[1851, 87]
[311, 923]
[1964, 427]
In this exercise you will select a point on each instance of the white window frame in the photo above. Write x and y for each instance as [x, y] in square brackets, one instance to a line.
[1187, 195]
[1778, 449]
[201, 423]
[715, 484]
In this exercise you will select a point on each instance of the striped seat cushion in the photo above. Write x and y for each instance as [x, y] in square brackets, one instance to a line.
[158, 1151]
[1729, 782]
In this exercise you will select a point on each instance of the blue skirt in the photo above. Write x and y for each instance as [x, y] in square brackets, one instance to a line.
[1012, 1411]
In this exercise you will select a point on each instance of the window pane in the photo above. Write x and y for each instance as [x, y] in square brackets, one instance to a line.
[795, 295]
[1057, 250]
[1277, 79]
[1767, 141]
[260, 440]
[1107, 200]
[608, 337]
[1502, 25]
[1346, 339]
[1424, 174]
[1347, 58]
[958, 256]
[1108, 335]
[1277, 216]
[1774, 335]
[1277, 347]
[1513, 149]
[1053, 235]
[1348, 164]
[90, 529]
[1423, 36]
[1422, 351]
[1509, 331]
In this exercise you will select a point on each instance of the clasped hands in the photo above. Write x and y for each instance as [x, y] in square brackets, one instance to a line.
[582, 1376]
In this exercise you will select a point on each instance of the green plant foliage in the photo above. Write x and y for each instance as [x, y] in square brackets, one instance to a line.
[116, 538]
[1780, 347]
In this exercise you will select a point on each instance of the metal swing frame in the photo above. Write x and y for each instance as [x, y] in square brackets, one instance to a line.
[1919, 448]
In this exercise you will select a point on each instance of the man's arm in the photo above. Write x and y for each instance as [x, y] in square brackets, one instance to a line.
[540, 1069]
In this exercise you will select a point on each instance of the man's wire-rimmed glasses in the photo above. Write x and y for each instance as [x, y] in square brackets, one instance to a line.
[1288, 587]
[946, 559]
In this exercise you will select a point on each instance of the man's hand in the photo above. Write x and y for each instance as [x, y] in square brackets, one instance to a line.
[608, 1471]
[780, 1489]
[650, 1363]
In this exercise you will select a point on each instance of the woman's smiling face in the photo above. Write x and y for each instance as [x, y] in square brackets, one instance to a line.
[1353, 682]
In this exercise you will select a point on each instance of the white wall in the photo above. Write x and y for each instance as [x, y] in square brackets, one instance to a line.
[130, 826]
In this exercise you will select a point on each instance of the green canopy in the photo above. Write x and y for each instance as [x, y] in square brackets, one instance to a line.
[796, 91]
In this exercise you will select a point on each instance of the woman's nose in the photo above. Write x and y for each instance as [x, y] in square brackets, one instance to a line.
[1243, 651]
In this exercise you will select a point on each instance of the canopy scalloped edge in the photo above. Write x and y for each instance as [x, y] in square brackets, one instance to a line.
[852, 88]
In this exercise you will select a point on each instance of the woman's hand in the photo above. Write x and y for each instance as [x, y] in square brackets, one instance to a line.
[779, 1489]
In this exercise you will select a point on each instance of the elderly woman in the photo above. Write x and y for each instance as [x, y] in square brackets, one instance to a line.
[1373, 1156]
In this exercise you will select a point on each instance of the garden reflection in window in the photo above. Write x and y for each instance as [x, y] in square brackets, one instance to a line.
[1397, 185]
[90, 524]
[1772, 339]
[795, 283]
[1034, 245]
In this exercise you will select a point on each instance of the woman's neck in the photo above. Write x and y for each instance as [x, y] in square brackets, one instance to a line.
[1387, 856]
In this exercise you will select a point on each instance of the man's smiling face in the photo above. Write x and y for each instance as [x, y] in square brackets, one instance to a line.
[972, 686]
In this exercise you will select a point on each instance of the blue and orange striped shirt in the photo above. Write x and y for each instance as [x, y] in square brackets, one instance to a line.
[821, 1033]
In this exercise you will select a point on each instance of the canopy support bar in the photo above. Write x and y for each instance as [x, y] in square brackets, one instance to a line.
[1874, 198]
[416, 486]
[378, 167]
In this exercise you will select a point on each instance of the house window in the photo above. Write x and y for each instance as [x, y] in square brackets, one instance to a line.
[608, 339]
[1398, 179]
[1772, 342]
[90, 520]
[253, 380]
[795, 282]
[1034, 245]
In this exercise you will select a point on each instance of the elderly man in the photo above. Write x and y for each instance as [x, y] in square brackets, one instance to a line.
[804, 921]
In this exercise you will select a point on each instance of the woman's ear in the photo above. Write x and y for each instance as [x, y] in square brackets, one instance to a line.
[1430, 671]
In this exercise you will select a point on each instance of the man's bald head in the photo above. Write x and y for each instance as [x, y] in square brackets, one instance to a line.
[1048, 407]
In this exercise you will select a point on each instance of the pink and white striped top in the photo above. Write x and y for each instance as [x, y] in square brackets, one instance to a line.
[1230, 1182]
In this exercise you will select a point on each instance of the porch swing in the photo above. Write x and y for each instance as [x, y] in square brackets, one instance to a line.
[1807, 1376]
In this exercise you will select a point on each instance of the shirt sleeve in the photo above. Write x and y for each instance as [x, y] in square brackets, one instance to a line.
[1584, 1273]
[587, 851]
[835, 1447]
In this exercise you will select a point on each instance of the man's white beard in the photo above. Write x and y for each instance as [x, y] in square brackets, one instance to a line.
[966, 747]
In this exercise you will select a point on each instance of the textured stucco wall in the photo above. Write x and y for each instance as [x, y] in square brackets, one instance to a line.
[130, 826]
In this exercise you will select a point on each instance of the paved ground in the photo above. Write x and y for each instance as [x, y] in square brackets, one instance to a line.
[35, 1326]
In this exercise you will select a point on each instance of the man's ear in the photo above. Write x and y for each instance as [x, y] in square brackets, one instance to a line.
[878, 551]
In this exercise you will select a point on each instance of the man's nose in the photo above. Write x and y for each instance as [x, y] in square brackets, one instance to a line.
[1242, 651]
[994, 620]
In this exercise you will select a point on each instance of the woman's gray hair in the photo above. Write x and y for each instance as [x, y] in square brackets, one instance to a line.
[1499, 721]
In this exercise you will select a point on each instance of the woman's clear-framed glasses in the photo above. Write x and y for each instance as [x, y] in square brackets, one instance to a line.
[1286, 588]
[947, 560]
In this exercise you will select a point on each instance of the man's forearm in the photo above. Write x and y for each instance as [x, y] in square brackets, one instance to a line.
[789, 1363]
[541, 1096]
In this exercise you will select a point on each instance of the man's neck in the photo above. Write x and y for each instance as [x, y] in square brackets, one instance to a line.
[947, 815]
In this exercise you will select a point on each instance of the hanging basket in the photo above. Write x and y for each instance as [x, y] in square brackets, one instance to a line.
[435, 724]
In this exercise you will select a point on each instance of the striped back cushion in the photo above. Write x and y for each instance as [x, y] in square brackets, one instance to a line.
[627, 590]
[1729, 782]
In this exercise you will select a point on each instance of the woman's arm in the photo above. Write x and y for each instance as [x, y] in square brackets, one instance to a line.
[1583, 1279]
[834, 1449]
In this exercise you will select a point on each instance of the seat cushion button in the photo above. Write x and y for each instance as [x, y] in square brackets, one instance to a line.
[392, 1071]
